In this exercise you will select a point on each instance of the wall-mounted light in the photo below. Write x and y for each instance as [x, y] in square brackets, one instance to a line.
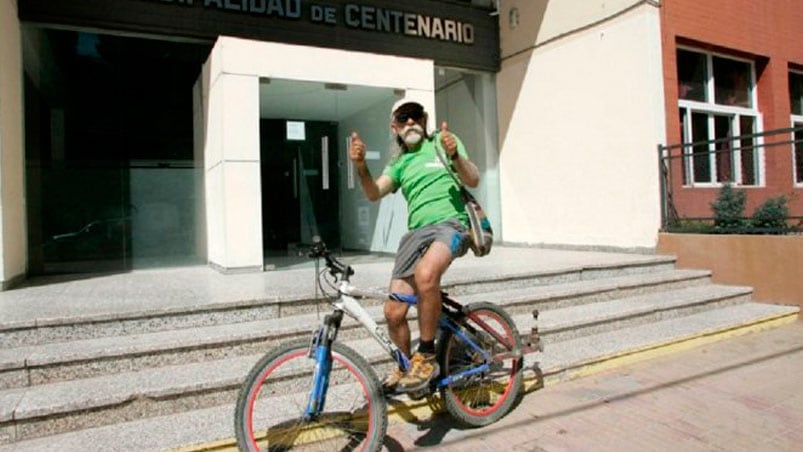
[513, 18]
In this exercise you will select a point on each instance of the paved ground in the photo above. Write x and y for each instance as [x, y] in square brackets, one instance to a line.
[741, 394]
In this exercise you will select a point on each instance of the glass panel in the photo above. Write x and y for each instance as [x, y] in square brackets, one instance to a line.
[700, 152]
[724, 149]
[732, 82]
[686, 159]
[748, 154]
[796, 92]
[110, 177]
[692, 75]
[799, 154]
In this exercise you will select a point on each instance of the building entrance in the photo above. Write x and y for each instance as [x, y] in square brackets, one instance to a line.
[300, 179]
[308, 186]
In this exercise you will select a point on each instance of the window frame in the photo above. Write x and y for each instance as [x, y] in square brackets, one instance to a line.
[796, 121]
[712, 109]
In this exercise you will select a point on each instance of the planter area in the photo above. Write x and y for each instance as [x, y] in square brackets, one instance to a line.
[772, 265]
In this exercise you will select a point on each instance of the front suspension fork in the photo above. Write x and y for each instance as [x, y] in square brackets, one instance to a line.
[321, 352]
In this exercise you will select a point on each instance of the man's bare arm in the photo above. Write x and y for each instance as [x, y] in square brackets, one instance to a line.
[467, 171]
[374, 189]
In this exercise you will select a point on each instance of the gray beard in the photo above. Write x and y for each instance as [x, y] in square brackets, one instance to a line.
[412, 135]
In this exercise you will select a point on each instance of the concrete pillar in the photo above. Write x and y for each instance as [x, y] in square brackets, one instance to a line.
[232, 170]
[13, 240]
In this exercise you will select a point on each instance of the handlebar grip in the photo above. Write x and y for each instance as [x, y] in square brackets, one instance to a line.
[319, 250]
[338, 266]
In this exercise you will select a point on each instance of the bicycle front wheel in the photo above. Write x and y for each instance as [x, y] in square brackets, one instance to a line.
[482, 398]
[271, 407]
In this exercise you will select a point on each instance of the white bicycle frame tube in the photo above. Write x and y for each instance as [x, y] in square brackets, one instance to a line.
[357, 311]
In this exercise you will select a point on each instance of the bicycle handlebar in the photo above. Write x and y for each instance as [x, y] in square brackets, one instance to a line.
[319, 250]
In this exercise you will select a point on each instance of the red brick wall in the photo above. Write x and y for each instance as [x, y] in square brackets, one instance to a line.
[769, 32]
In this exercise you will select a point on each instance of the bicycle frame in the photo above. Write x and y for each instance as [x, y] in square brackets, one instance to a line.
[321, 346]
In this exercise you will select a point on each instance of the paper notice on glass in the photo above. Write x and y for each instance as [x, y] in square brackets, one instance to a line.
[296, 130]
[363, 217]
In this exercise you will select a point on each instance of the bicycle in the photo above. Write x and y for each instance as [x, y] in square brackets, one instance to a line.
[320, 394]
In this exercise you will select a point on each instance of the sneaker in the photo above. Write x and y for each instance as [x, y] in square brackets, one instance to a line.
[424, 367]
[392, 380]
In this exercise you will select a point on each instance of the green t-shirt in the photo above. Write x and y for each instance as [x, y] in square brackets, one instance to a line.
[432, 194]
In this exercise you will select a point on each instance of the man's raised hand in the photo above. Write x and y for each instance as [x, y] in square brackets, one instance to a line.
[447, 141]
[357, 148]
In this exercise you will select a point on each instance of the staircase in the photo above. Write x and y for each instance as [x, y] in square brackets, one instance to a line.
[160, 380]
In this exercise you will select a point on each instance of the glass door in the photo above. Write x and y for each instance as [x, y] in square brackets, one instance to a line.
[299, 184]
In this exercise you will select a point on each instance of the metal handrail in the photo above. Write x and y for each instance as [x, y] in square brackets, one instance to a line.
[669, 211]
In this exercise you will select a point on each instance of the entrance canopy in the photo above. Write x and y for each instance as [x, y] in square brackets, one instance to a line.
[233, 93]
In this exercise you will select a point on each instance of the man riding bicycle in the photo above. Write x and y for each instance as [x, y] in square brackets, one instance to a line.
[437, 225]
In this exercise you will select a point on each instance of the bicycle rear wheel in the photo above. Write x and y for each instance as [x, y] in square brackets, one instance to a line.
[270, 408]
[485, 397]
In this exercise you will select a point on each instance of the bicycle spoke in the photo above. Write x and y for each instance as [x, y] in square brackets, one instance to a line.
[482, 397]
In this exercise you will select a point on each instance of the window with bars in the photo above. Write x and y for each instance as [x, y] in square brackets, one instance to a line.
[718, 114]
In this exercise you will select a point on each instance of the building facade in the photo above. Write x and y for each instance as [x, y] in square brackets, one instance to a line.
[144, 133]
[587, 90]
[149, 133]
[581, 109]
[734, 68]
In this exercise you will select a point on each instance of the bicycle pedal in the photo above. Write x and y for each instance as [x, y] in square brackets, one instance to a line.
[418, 395]
[390, 392]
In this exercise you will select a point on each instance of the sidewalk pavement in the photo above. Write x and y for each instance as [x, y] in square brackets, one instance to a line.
[741, 394]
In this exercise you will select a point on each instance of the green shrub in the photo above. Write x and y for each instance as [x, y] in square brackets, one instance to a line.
[771, 214]
[685, 226]
[729, 208]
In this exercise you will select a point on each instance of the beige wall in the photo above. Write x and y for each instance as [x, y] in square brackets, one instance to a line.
[772, 265]
[580, 114]
[543, 20]
[12, 170]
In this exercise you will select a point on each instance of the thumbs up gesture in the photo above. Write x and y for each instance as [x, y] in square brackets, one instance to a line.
[357, 148]
[448, 142]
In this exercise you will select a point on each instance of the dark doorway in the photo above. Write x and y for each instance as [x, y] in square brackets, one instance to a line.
[299, 184]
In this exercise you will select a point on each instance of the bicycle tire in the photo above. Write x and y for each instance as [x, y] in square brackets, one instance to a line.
[285, 374]
[471, 401]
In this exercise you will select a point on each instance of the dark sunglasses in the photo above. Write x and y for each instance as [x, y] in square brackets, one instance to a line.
[403, 116]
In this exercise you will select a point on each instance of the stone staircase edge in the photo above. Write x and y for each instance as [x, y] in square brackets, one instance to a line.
[279, 300]
[199, 340]
[227, 382]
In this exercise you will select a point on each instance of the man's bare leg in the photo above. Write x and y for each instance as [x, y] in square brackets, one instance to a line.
[428, 273]
[396, 315]
[398, 327]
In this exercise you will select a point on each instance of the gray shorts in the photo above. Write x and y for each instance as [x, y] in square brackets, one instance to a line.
[415, 243]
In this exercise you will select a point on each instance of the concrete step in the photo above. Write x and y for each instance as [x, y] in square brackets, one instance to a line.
[87, 402]
[247, 307]
[571, 322]
[62, 361]
[561, 360]
[564, 359]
